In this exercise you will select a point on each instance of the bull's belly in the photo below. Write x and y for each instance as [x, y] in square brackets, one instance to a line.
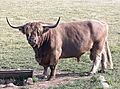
[71, 53]
[70, 56]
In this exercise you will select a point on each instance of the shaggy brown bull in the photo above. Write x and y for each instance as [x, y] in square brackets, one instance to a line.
[65, 40]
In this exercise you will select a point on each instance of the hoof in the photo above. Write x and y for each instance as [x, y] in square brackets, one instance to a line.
[111, 68]
[43, 77]
[91, 74]
[101, 71]
[88, 74]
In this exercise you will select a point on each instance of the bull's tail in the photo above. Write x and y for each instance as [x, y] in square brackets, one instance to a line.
[108, 52]
[109, 57]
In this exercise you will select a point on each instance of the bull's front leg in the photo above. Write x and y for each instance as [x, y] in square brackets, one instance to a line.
[45, 73]
[53, 63]
[52, 73]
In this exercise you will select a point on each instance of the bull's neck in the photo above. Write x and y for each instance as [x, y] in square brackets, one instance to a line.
[43, 39]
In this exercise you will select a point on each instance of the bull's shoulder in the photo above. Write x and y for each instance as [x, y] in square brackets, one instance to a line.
[99, 22]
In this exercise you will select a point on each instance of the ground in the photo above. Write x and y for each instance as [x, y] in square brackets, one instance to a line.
[16, 53]
[62, 78]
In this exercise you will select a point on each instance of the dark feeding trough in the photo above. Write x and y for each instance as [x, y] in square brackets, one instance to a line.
[17, 77]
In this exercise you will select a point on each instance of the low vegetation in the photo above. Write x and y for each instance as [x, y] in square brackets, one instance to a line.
[16, 53]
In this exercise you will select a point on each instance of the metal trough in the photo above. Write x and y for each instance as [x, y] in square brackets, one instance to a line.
[17, 75]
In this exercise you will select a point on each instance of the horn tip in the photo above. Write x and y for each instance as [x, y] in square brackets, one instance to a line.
[59, 17]
[6, 17]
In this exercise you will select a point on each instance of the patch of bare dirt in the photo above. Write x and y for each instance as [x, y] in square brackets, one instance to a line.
[62, 78]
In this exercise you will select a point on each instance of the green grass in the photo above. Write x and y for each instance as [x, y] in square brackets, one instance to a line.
[16, 53]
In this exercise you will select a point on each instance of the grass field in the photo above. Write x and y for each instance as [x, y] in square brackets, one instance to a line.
[16, 53]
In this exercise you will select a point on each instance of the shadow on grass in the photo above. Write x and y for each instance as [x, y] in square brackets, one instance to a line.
[62, 75]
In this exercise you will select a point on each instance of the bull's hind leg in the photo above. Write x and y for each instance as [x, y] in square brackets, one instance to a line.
[103, 61]
[95, 55]
[96, 63]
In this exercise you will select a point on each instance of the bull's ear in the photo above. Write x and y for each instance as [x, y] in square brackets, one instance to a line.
[22, 29]
[45, 29]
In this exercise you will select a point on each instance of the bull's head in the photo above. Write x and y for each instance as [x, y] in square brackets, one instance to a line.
[33, 30]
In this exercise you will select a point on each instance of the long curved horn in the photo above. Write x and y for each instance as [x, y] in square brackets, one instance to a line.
[11, 25]
[52, 26]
